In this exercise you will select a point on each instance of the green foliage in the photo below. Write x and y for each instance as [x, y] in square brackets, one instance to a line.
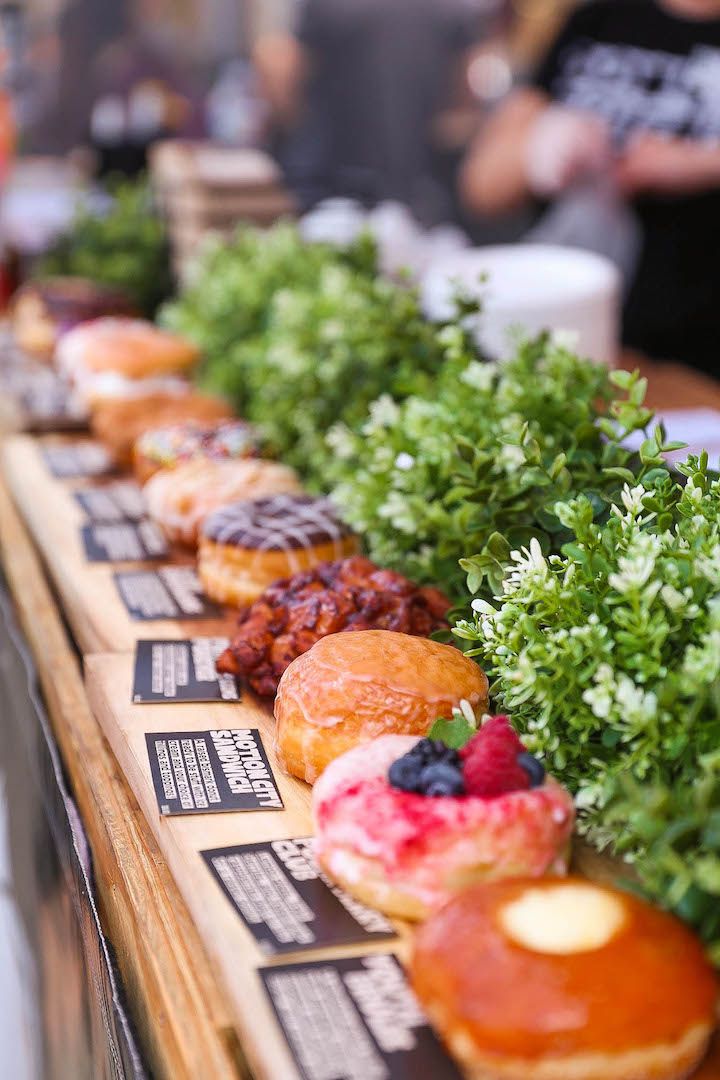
[233, 288]
[458, 730]
[608, 657]
[301, 336]
[126, 247]
[474, 466]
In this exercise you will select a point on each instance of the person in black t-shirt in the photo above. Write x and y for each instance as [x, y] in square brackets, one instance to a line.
[630, 89]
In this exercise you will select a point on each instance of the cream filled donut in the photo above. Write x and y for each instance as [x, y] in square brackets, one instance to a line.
[180, 499]
[124, 358]
[247, 546]
[563, 979]
[407, 852]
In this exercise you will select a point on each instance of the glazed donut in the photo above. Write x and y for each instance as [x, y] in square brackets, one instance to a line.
[43, 310]
[165, 447]
[124, 358]
[406, 853]
[119, 422]
[561, 979]
[246, 546]
[351, 688]
[180, 499]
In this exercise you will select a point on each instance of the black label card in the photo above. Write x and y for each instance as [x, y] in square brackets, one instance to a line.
[182, 671]
[50, 406]
[74, 460]
[286, 901]
[122, 501]
[211, 772]
[354, 1019]
[124, 541]
[172, 592]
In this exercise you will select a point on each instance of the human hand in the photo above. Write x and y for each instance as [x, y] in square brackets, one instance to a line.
[564, 146]
[660, 164]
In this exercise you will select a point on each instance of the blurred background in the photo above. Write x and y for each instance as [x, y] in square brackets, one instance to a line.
[591, 125]
[356, 98]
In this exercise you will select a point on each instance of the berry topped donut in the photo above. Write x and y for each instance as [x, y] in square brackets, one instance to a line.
[404, 823]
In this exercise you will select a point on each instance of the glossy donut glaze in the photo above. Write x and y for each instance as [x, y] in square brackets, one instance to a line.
[649, 985]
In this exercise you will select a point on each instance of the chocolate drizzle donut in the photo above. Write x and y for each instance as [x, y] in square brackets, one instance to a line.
[280, 523]
[245, 546]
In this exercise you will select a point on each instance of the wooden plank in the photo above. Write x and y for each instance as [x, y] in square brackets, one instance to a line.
[95, 611]
[182, 838]
[182, 1015]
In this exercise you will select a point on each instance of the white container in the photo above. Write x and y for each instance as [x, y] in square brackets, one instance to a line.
[533, 287]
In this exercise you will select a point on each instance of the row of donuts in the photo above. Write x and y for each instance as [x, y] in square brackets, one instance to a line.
[423, 806]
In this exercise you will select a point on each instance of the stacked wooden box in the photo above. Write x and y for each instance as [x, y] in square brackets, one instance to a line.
[205, 189]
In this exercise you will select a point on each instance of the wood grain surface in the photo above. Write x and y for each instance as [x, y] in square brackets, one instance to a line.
[181, 838]
[182, 1014]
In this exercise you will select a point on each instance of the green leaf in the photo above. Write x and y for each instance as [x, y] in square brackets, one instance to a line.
[454, 733]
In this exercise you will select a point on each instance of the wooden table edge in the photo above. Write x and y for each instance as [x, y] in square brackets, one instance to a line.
[179, 1007]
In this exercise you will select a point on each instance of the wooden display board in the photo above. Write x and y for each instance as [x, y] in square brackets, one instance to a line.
[181, 839]
[95, 611]
[107, 634]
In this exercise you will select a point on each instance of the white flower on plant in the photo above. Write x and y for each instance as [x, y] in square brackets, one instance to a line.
[632, 498]
[638, 706]
[693, 493]
[565, 338]
[588, 796]
[478, 375]
[384, 412]
[511, 458]
[340, 440]
[398, 510]
[404, 461]
[482, 607]
[528, 562]
[636, 567]
[701, 663]
[674, 599]
[709, 565]
[618, 693]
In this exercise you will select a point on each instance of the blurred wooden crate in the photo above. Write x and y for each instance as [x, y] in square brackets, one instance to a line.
[205, 189]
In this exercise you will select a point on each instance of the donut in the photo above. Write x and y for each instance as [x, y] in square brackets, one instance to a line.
[294, 613]
[124, 358]
[563, 979]
[407, 852]
[165, 447]
[119, 422]
[180, 499]
[43, 310]
[351, 688]
[246, 546]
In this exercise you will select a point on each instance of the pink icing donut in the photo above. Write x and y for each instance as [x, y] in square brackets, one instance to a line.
[407, 854]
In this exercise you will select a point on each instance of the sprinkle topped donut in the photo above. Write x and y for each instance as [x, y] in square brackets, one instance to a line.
[166, 447]
[279, 523]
